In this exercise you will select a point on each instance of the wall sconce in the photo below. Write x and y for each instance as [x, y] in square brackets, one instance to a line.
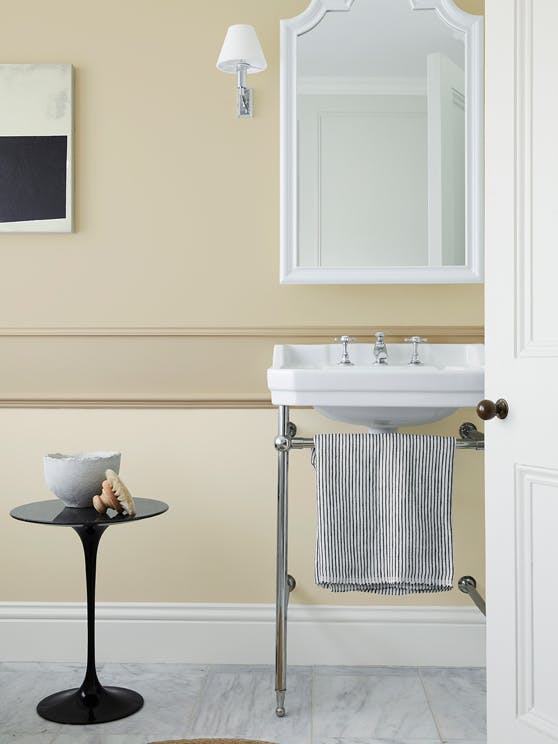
[242, 54]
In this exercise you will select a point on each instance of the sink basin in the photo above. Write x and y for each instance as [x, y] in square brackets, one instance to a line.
[381, 397]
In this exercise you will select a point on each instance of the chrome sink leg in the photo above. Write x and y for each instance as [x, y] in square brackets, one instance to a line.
[280, 699]
[284, 582]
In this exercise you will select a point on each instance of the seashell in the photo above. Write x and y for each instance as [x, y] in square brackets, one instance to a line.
[119, 489]
[107, 499]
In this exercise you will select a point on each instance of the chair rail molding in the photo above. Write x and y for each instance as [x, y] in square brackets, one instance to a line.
[307, 331]
[166, 367]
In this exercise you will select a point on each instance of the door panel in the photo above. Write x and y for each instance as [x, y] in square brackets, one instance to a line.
[537, 558]
[537, 167]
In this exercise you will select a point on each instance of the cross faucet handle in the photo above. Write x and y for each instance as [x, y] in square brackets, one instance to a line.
[415, 340]
[345, 340]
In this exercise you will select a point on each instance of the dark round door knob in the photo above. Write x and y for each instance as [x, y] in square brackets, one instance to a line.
[487, 409]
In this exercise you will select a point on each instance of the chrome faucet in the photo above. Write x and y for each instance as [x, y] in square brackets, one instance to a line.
[415, 340]
[380, 349]
[345, 340]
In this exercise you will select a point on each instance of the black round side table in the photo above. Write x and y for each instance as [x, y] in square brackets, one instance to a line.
[90, 703]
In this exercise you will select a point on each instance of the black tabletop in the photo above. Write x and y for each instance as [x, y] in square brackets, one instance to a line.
[54, 512]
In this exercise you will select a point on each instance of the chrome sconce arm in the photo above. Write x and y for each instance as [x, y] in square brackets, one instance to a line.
[241, 54]
[245, 95]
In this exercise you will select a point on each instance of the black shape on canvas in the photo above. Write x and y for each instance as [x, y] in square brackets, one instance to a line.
[33, 178]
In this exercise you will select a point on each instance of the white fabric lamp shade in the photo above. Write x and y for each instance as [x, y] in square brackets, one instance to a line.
[241, 46]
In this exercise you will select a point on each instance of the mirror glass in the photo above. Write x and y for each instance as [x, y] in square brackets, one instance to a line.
[382, 154]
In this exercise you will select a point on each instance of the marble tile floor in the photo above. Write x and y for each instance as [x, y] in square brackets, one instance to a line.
[325, 705]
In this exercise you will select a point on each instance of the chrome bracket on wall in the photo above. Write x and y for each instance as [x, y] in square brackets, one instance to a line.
[468, 585]
[285, 441]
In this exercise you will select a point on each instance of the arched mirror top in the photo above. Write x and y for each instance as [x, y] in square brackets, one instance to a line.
[381, 143]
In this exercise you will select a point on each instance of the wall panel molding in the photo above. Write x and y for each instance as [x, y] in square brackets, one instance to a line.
[168, 367]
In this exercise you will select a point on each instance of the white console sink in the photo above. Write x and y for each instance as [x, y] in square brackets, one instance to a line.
[381, 397]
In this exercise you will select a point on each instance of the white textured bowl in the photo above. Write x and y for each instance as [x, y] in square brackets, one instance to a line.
[75, 479]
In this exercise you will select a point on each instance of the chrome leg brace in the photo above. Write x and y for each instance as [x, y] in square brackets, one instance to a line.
[285, 583]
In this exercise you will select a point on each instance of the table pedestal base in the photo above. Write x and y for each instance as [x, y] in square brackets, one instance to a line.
[90, 702]
[74, 706]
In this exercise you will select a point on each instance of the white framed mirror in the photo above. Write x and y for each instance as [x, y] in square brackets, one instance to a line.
[382, 143]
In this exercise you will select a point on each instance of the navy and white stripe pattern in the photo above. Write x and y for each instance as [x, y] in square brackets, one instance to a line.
[384, 512]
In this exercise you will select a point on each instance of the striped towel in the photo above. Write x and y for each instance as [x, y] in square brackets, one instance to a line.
[384, 512]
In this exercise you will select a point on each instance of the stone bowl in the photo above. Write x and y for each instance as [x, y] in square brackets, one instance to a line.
[75, 479]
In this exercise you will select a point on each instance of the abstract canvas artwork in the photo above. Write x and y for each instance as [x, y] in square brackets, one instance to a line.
[36, 148]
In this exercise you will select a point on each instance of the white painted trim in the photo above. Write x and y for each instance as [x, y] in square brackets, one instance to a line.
[524, 185]
[473, 272]
[379, 275]
[526, 343]
[527, 709]
[244, 633]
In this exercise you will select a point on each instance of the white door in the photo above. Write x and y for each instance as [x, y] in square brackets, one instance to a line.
[522, 366]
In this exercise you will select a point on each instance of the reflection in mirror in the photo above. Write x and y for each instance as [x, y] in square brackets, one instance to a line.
[382, 177]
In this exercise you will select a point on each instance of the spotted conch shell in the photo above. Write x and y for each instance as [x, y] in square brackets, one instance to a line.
[114, 495]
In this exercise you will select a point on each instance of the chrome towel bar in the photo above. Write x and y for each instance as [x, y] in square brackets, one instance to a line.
[471, 438]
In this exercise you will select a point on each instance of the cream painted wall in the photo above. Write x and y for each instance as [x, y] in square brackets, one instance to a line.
[177, 226]
[177, 201]
[217, 470]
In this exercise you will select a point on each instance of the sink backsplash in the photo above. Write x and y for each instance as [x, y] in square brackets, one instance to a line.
[317, 356]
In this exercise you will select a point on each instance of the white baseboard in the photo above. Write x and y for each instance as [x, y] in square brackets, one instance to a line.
[244, 634]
